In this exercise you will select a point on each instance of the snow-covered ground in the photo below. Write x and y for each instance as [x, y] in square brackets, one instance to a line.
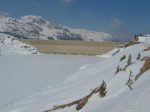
[74, 86]
[23, 75]
[9, 45]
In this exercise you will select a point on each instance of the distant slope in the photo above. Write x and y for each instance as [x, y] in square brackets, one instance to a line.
[9, 45]
[38, 27]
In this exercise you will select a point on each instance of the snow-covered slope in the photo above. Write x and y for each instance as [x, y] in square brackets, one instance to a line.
[145, 38]
[23, 75]
[93, 36]
[119, 97]
[38, 27]
[9, 45]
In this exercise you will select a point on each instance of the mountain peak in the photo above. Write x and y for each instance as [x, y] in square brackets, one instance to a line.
[33, 19]
[33, 26]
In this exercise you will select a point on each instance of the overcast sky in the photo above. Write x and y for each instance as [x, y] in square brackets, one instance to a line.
[121, 17]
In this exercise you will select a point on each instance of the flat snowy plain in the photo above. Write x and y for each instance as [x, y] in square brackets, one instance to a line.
[24, 75]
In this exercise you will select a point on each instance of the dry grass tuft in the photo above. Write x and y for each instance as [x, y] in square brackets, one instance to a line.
[147, 49]
[71, 47]
[147, 63]
[144, 58]
[79, 103]
[145, 67]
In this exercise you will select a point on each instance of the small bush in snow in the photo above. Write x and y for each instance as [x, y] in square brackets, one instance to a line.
[139, 56]
[102, 89]
[130, 80]
[115, 52]
[122, 58]
[129, 62]
[118, 69]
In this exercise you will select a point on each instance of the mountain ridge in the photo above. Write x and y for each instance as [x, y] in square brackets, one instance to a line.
[32, 26]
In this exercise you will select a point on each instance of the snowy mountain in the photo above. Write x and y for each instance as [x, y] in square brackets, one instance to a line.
[9, 45]
[127, 87]
[38, 27]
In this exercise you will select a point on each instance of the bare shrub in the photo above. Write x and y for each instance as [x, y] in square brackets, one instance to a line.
[129, 62]
[122, 58]
[102, 89]
[83, 101]
[130, 80]
[115, 52]
[118, 69]
[139, 56]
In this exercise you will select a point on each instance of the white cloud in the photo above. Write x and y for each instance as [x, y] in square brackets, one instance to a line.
[115, 23]
[3, 13]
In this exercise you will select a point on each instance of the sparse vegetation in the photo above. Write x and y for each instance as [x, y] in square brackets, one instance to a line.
[130, 43]
[81, 104]
[130, 80]
[139, 56]
[118, 69]
[147, 49]
[115, 52]
[122, 58]
[83, 101]
[145, 67]
[71, 47]
[129, 62]
[102, 89]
